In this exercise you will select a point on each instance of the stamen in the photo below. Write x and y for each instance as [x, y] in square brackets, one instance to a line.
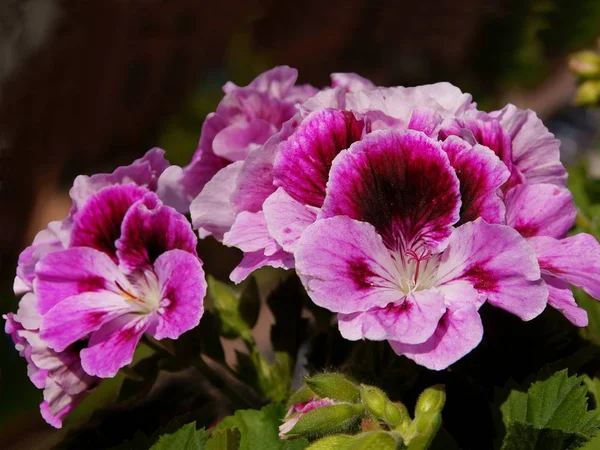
[412, 256]
[126, 293]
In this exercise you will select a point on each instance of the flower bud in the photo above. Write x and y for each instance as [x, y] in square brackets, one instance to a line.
[335, 386]
[302, 395]
[422, 430]
[327, 420]
[588, 93]
[374, 399]
[336, 442]
[585, 63]
[380, 440]
[396, 415]
[431, 400]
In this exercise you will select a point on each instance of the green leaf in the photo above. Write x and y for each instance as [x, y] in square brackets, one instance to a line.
[238, 310]
[186, 438]
[258, 429]
[228, 439]
[553, 410]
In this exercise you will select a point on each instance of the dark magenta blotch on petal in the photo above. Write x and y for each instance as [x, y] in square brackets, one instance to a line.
[303, 163]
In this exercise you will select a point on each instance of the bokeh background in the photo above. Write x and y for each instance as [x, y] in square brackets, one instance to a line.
[86, 86]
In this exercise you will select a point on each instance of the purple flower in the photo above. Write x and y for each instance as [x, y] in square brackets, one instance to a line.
[244, 120]
[385, 254]
[119, 265]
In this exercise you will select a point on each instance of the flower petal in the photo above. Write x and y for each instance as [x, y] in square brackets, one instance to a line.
[249, 233]
[302, 165]
[400, 182]
[561, 298]
[458, 333]
[574, 259]
[345, 267]
[182, 287]
[97, 224]
[481, 173]
[112, 346]
[351, 82]
[426, 121]
[411, 321]
[76, 317]
[255, 260]
[287, 218]
[74, 271]
[149, 229]
[212, 210]
[235, 141]
[499, 263]
[540, 210]
[535, 151]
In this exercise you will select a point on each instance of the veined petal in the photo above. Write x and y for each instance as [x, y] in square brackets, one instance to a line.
[235, 141]
[78, 316]
[249, 233]
[400, 182]
[287, 218]
[560, 297]
[212, 211]
[499, 263]
[412, 320]
[97, 224]
[255, 260]
[150, 229]
[112, 346]
[182, 291]
[345, 267]
[427, 121]
[481, 173]
[303, 162]
[535, 151]
[540, 210]
[574, 259]
[458, 333]
[74, 271]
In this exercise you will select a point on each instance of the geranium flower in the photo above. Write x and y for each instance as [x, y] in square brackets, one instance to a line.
[296, 412]
[385, 256]
[100, 204]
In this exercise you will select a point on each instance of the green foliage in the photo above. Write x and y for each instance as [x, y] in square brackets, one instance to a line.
[186, 438]
[552, 414]
[228, 439]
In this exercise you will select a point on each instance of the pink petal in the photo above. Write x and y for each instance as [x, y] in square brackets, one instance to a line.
[540, 210]
[400, 182]
[171, 191]
[287, 218]
[74, 271]
[574, 259]
[255, 260]
[458, 333]
[249, 233]
[149, 229]
[235, 141]
[182, 287]
[351, 82]
[78, 316]
[345, 267]
[113, 345]
[561, 298]
[411, 321]
[303, 162]
[97, 224]
[499, 263]
[535, 151]
[212, 210]
[481, 173]
[425, 120]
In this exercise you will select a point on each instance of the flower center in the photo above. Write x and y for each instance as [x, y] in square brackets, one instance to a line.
[144, 290]
[416, 269]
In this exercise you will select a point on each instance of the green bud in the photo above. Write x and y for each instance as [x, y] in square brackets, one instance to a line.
[334, 386]
[422, 430]
[373, 440]
[328, 420]
[396, 415]
[302, 395]
[431, 400]
[585, 63]
[588, 93]
[330, 442]
[374, 399]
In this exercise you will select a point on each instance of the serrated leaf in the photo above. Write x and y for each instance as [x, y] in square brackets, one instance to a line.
[552, 410]
[228, 439]
[186, 438]
[523, 436]
[258, 429]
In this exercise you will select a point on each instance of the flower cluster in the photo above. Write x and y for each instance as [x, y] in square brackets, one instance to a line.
[403, 210]
[120, 265]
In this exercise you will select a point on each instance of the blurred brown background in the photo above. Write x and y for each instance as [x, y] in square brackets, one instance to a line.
[86, 86]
